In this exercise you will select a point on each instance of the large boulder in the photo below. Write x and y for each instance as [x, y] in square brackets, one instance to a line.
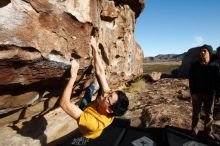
[39, 37]
[191, 56]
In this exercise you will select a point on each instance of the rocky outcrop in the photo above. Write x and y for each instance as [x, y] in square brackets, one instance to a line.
[136, 5]
[38, 39]
[153, 76]
[191, 56]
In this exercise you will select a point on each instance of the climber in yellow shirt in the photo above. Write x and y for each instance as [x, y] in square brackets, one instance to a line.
[100, 113]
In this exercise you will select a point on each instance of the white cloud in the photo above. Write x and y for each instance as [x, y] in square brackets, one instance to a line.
[199, 40]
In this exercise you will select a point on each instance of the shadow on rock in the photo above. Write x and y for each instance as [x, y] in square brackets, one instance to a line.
[4, 3]
[34, 128]
[145, 119]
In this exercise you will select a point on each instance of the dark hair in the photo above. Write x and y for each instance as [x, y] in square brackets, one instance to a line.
[121, 106]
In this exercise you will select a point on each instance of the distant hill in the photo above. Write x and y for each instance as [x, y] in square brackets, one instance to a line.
[165, 57]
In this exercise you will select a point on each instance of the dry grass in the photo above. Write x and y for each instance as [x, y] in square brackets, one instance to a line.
[138, 85]
[164, 67]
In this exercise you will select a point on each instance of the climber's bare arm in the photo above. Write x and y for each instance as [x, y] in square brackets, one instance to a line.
[70, 108]
[99, 67]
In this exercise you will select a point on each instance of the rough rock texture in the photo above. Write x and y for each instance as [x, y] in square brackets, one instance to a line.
[191, 56]
[39, 130]
[153, 76]
[38, 38]
[161, 103]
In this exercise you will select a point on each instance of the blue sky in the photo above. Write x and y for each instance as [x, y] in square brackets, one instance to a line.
[174, 26]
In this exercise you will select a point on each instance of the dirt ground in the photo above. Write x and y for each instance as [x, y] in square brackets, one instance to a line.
[165, 102]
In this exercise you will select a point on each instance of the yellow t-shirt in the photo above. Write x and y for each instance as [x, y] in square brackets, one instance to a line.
[91, 123]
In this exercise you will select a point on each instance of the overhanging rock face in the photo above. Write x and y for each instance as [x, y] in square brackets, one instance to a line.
[39, 37]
